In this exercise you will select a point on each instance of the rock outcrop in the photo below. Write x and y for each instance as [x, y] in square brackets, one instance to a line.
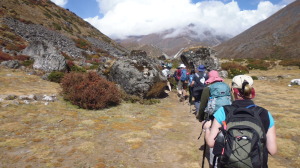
[193, 57]
[50, 62]
[45, 43]
[137, 75]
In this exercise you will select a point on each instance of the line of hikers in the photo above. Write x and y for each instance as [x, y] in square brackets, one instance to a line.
[239, 133]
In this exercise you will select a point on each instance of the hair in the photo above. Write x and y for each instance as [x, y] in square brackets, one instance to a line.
[247, 91]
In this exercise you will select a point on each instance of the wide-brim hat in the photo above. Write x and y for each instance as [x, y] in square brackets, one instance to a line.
[213, 76]
[237, 81]
[201, 68]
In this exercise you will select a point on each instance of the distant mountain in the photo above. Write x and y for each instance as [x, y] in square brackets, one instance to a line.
[276, 37]
[166, 43]
[25, 23]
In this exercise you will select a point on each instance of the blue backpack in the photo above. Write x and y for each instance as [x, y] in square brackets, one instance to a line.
[183, 76]
[219, 96]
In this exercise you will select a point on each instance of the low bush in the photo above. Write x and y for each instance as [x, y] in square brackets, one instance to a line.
[290, 63]
[234, 69]
[28, 63]
[55, 76]
[260, 64]
[82, 43]
[254, 77]
[89, 91]
[5, 57]
[130, 98]
[22, 57]
[76, 68]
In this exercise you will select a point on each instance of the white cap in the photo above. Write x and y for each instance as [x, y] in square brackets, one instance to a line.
[182, 66]
[237, 81]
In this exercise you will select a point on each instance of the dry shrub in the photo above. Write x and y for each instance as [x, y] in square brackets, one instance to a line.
[55, 76]
[22, 57]
[82, 43]
[157, 90]
[90, 91]
[260, 64]
[5, 57]
[290, 63]
[234, 69]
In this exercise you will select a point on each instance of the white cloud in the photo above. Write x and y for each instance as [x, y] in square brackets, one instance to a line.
[61, 3]
[123, 18]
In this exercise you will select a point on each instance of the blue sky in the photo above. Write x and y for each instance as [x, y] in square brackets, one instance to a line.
[121, 18]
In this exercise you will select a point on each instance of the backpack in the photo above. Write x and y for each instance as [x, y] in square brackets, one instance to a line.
[169, 65]
[244, 139]
[199, 84]
[219, 96]
[183, 76]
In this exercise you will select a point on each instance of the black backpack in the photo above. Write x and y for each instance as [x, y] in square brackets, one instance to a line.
[241, 142]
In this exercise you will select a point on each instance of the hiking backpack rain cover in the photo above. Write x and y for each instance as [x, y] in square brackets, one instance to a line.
[244, 141]
[219, 96]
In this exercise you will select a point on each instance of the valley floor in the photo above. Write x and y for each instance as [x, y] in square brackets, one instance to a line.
[163, 135]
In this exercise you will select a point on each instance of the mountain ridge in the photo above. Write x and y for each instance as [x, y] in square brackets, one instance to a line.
[277, 37]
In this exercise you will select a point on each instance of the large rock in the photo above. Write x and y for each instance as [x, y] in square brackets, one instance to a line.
[193, 57]
[50, 62]
[137, 75]
[45, 56]
[39, 48]
[14, 64]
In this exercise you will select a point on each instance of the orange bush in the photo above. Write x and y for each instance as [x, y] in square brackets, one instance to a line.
[5, 57]
[90, 91]
[22, 57]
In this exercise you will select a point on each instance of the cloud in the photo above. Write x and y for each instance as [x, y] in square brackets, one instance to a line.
[122, 18]
[61, 3]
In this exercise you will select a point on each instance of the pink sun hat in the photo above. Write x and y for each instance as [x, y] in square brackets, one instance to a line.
[213, 76]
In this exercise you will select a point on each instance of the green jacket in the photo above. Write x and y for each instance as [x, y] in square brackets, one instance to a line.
[203, 103]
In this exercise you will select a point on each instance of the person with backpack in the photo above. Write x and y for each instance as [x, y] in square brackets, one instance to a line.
[242, 133]
[166, 73]
[215, 95]
[182, 83]
[198, 85]
[176, 75]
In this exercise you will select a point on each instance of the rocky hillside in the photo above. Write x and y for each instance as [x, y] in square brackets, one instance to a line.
[37, 27]
[276, 37]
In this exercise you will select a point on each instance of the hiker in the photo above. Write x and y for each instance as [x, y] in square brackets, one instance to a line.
[182, 83]
[191, 77]
[166, 73]
[198, 85]
[229, 120]
[214, 96]
[176, 75]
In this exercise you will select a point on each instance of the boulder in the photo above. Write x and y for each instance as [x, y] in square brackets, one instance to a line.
[14, 64]
[50, 62]
[137, 75]
[195, 56]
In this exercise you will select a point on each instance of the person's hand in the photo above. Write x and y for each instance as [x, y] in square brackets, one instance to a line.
[206, 125]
